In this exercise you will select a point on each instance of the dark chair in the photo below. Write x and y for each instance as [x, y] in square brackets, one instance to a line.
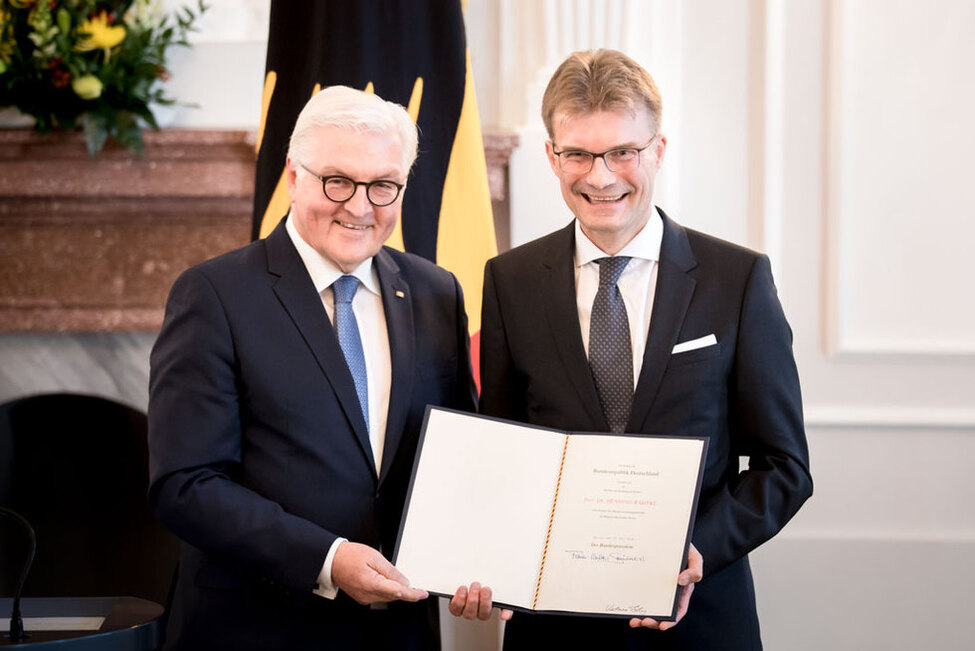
[76, 468]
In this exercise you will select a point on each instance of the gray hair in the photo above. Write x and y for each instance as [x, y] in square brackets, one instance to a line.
[348, 108]
[600, 80]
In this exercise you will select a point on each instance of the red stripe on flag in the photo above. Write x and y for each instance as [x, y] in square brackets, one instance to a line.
[476, 359]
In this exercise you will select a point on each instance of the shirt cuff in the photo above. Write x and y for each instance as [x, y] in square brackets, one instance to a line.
[325, 587]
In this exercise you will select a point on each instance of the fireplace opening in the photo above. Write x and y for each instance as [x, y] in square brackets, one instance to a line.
[76, 467]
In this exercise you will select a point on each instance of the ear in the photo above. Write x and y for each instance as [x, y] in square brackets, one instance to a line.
[660, 148]
[291, 174]
[553, 160]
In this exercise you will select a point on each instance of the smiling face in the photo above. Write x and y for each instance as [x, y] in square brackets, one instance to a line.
[612, 207]
[346, 233]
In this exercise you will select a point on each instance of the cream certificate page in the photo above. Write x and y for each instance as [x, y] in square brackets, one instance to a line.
[476, 511]
[630, 506]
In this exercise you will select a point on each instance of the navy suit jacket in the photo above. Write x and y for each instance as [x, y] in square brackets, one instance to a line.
[743, 393]
[259, 454]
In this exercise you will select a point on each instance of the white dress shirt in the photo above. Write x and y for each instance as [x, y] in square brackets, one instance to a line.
[637, 283]
[371, 319]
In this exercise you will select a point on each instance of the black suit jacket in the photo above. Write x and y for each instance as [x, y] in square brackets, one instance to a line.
[259, 454]
[743, 393]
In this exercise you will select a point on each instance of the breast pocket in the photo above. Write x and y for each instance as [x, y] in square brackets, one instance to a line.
[696, 355]
[693, 390]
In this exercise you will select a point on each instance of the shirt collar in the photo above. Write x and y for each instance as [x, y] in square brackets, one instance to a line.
[323, 272]
[644, 245]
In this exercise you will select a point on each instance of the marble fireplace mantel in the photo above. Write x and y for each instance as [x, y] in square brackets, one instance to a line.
[94, 244]
[90, 247]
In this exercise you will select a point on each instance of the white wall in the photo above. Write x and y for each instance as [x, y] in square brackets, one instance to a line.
[222, 76]
[836, 136]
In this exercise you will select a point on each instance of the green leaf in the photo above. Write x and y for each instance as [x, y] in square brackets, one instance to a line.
[148, 117]
[64, 20]
[96, 132]
[128, 133]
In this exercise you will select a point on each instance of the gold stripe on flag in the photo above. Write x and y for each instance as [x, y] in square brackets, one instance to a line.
[466, 239]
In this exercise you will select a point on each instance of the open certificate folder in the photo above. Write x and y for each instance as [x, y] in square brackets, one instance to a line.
[551, 521]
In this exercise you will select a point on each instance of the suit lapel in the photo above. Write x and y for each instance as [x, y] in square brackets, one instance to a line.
[559, 292]
[297, 294]
[675, 287]
[398, 307]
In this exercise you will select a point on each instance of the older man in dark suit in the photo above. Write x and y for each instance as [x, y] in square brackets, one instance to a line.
[626, 321]
[287, 392]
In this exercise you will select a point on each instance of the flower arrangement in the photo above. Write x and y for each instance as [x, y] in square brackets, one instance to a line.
[89, 63]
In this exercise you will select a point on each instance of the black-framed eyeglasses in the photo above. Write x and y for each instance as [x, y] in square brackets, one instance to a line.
[621, 159]
[340, 188]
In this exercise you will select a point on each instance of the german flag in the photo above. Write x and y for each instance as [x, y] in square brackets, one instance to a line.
[412, 53]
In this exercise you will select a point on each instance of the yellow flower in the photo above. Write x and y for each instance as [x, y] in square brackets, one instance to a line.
[100, 34]
[7, 45]
[87, 87]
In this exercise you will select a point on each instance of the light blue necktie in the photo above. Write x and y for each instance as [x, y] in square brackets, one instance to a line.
[610, 352]
[348, 332]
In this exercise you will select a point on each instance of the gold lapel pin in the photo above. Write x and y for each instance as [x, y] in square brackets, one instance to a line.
[400, 294]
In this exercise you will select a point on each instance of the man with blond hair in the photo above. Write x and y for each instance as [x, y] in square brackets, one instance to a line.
[625, 321]
[287, 391]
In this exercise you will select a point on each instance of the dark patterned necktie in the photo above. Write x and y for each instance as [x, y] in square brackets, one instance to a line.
[610, 352]
[347, 330]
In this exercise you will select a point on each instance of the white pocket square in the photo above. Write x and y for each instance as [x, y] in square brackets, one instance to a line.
[694, 344]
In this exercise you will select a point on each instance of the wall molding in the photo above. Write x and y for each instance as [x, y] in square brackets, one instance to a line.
[846, 348]
[854, 229]
[885, 417]
[874, 536]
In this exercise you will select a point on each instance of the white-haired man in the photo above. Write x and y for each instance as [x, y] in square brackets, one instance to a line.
[287, 391]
